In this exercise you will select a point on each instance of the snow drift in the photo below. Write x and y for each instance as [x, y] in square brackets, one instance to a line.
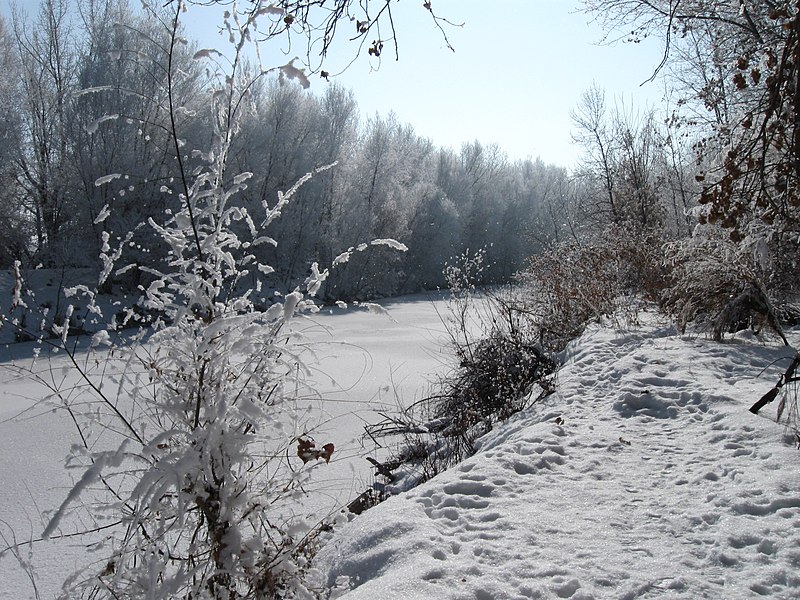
[644, 476]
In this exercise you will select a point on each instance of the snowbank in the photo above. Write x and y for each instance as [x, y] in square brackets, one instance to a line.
[658, 483]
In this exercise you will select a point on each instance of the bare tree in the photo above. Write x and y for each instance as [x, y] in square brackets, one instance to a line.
[593, 133]
[47, 56]
[625, 164]
[13, 226]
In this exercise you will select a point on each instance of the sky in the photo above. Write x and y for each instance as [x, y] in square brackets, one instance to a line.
[518, 69]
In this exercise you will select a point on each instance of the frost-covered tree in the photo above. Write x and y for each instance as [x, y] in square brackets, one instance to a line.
[748, 81]
[121, 124]
[337, 131]
[482, 171]
[13, 226]
[554, 195]
[435, 232]
[47, 69]
[386, 183]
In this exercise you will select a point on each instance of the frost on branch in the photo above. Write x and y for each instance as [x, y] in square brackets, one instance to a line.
[345, 256]
[92, 127]
[102, 215]
[391, 243]
[289, 71]
[107, 179]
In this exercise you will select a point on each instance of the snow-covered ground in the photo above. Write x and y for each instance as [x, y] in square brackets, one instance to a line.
[361, 363]
[658, 483]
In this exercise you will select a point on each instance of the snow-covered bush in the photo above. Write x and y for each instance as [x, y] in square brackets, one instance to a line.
[203, 412]
[574, 284]
[718, 284]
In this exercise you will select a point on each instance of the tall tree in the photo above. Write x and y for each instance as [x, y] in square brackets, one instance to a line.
[752, 187]
[13, 226]
[595, 135]
[47, 56]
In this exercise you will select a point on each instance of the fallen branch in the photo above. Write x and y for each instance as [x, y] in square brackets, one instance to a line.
[787, 377]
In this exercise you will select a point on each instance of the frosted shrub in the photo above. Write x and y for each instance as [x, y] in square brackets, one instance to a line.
[208, 416]
[464, 309]
[717, 284]
[193, 453]
[189, 444]
[492, 383]
[574, 284]
[500, 369]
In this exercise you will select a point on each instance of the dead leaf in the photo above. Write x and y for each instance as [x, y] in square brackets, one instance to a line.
[307, 450]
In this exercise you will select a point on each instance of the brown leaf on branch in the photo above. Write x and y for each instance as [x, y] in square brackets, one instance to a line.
[307, 450]
[327, 452]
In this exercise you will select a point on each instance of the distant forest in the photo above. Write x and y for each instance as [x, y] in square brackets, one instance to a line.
[86, 120]
[708, 184]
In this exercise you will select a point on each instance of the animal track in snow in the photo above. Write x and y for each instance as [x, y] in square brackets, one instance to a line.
[702, 503]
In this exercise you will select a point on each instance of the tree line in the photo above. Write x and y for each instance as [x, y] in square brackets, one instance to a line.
[88, 110]
[86, 130]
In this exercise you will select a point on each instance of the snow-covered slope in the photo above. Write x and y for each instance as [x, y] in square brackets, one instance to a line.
[659, 483]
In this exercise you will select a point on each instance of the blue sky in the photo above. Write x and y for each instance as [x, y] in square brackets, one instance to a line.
[518, 68]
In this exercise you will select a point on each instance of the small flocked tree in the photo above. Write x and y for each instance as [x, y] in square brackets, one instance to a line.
[200, 411]
[192, 455]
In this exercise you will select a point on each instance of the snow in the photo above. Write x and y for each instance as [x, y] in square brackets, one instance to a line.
[106, 179]
[206, 53]
[658, 482]
[360, 362]
[643, 476]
